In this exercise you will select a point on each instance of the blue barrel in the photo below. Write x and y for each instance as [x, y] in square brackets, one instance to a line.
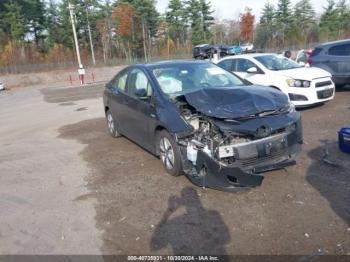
[344, 139]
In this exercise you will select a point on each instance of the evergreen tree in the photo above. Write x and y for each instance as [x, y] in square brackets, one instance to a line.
[284, 19]
[34, 14]
[266, 26]
[329, 20]
[199, 14]
[13, 21]
[343, 17]
[304, 17]
[176, 19]
[147, 11]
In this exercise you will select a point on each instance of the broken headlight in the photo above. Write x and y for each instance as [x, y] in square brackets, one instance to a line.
[290, 108]
[298, 83]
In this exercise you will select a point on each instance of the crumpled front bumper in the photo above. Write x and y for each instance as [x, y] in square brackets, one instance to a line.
[231, 179]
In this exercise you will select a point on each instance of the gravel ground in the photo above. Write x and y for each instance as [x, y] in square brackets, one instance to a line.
[67, 187]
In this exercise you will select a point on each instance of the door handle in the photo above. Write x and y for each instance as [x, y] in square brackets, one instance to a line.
[152, 115]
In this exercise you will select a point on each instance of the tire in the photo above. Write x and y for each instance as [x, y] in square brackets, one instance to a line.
[169, 153]
[112, 128]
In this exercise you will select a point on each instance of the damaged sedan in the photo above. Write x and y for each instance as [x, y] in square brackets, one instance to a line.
[219, 130]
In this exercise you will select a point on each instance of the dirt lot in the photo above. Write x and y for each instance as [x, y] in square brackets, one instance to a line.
[67, 187]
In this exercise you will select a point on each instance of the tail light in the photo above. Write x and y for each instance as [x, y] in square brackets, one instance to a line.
[309, 62]
[309, 52]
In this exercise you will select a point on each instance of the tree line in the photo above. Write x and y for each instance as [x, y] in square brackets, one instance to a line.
[40, 31]
[286, 25]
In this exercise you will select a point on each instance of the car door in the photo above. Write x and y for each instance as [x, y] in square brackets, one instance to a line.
[141, 112]
[116, 93]
[240, 66]
[339, 59]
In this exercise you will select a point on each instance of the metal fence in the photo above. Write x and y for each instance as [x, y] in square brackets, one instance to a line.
[36, 68]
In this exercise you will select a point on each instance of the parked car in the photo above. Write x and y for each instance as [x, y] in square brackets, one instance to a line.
[201, 120]
[2, 86]
[304, 86]
[202, 51]
[247, 47]
[303, 56]
[234, 50]
[333, 57]
[221, 49]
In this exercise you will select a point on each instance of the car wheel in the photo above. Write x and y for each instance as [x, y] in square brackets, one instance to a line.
[169, 153]
[112, 128]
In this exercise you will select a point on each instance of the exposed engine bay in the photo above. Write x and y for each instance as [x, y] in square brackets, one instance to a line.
[210, 139]
[220, 140]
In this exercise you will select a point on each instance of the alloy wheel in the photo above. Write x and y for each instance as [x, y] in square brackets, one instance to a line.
[110, 123]
[166, 153]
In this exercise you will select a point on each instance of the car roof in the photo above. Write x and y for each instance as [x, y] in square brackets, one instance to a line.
[172, 62]
[203, 45]
[253, 55]
[344, 41]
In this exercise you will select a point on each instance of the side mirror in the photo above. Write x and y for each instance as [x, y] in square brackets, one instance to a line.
[141, 93]
[252, 70]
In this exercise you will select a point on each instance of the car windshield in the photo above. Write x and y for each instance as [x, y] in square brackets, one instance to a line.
[177, 80]
[276, 63]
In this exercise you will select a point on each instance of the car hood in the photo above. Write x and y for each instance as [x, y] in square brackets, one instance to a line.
[304, 73]
[236, 102]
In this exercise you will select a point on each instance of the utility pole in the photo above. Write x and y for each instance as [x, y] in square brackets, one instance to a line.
[91, 45]
[70, 7]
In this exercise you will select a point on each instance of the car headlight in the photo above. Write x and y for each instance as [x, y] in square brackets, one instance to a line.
[298, 83]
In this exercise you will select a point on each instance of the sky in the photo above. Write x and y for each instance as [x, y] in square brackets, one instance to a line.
[228, 9]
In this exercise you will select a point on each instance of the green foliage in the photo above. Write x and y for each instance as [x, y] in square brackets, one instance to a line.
[13, 21]
[335, 20]
[304, 18]
[200, 18]
[177, 20]
[147, 10]
[284, 19]
[38, 29]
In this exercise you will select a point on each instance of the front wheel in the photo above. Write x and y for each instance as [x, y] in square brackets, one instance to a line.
[112, 128]
[169, 153]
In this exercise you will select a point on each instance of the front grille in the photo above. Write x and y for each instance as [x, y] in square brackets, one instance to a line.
[253, 161]
[325, 93]
[324, 83]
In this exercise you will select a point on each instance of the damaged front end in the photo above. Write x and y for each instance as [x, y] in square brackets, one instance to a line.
[231, 154]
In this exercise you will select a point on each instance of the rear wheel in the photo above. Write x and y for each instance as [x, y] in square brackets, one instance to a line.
[169, 153]
[112, 128]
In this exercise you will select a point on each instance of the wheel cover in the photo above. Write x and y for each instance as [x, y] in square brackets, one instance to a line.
[110, 123]
[167, 153]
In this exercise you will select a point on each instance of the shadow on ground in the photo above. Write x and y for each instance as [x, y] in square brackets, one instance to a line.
[329, 173]
[130, 189]
[196, 231]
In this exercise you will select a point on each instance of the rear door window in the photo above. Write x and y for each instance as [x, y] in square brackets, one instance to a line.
[340, 50]
[226, 64]
[138, 80]
[119, 82]
[242, 65]
[316, 52]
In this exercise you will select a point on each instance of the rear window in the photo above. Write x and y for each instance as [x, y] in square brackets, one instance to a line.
[316, 52]
[340, 50]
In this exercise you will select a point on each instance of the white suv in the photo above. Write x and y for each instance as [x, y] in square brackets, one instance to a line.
[304, 86]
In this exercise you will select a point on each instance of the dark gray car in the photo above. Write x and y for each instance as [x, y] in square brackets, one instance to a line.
[333, 57]
[201, 120]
